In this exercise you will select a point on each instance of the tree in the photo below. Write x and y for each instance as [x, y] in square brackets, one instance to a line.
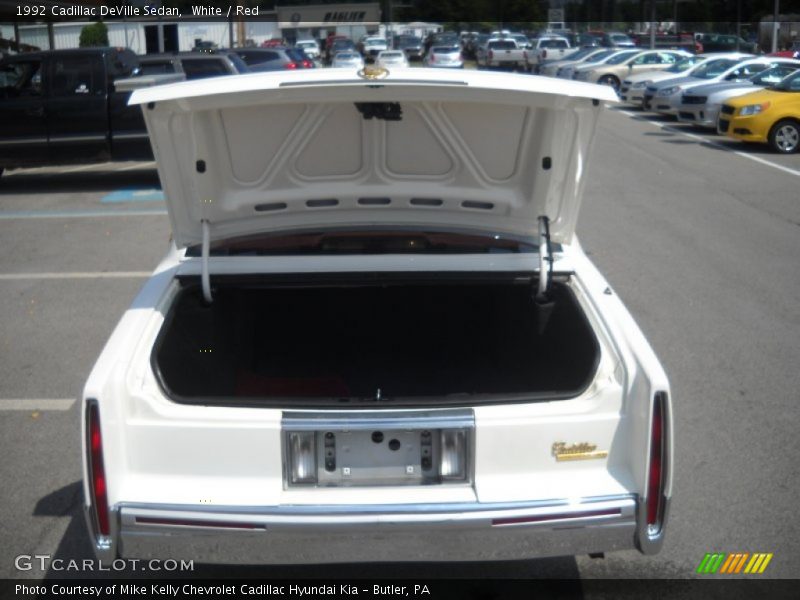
[95, 34]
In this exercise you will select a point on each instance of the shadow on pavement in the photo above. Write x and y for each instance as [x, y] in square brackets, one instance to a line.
[81, 181]
[75, 546]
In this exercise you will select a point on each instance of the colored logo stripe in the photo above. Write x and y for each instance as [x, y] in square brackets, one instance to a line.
[734, 563]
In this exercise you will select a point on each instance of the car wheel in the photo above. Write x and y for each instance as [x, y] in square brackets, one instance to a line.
[784, 137]
[609, 80]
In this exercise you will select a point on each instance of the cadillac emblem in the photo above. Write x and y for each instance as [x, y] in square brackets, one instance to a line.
[582, 451]
[373, 73]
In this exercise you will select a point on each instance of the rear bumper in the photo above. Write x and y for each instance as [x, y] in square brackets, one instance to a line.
[330, 534]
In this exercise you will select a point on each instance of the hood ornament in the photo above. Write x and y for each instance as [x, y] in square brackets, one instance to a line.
[373, 73]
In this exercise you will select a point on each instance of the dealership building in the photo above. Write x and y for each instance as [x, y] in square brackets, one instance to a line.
[147, 35]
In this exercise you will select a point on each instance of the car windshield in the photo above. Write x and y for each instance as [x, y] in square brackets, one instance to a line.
[773, 75]
[713, 68]
[601, 56]
[790, 84]
[375, 42]
[391, 55]
[307, 45]
[446, 49]
[553, 44]
[621, 57]
[620, 38]
[582, 53]
[346, 56]
[683, 65]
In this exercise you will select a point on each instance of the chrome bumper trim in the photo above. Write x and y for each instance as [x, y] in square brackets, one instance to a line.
[323, 534]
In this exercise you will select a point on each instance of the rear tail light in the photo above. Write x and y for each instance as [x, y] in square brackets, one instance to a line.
[544, 54]
[491, 55]
[307, 64]
[97, 473]
[291, 65]
[657, 476]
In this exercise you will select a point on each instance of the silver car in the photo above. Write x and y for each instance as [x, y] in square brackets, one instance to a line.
[665, 97]
[584, 55]
[348, 59]
[444, 57]
[701, 105]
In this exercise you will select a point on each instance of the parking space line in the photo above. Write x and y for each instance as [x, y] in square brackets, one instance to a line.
[147, 165]
[702, 140]
[76, 275]
[61, 404]
[75, 214]
[82, 168]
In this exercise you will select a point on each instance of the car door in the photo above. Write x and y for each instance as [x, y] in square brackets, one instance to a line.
[77, 109]
[23, 129]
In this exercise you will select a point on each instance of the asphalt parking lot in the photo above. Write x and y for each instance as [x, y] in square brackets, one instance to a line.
[699, 236]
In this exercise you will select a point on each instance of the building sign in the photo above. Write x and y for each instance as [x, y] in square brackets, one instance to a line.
[327, 14]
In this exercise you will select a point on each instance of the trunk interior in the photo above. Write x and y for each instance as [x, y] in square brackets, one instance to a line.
[265, 342]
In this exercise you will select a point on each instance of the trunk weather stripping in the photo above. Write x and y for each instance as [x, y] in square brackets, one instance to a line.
[205, 277]
[545, 260]
[543, 300]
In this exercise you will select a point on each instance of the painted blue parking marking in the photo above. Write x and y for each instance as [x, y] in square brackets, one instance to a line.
[135, 195]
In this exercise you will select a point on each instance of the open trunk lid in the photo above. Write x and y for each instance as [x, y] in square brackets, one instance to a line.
[332, 148]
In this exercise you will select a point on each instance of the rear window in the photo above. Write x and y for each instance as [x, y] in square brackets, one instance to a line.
[446, 49]
[160, 67]
[553, 44]
[503, 45]
[257, 57]
[200, 68]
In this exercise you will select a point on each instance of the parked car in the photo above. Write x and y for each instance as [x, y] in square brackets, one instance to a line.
[701, 105]
[63, 107]
[336, 45]
[372, 45]
[717, 42]
[194, 65]
[296, 375]
[349, 59]
[633, 86]
[770, 116]
[550, 68]
[502, 54]
[547, 48]
[612, 73]
[446, 57]
[410, 45]
[391, 58]
[616, 39]
[310, 47]
[275, 58]
[665, 97]
[581, 71]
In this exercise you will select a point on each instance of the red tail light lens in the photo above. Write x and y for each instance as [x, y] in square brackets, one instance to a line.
[97, 471]
[491, 55]
[658, 466]
[307, 64]
[291, 65]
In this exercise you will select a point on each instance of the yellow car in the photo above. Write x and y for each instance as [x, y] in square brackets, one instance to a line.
[770, 116]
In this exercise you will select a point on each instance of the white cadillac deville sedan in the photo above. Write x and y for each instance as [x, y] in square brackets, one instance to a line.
[375, 336]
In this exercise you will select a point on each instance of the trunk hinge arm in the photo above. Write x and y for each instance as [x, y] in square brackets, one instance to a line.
[545, 260]
[205, 278]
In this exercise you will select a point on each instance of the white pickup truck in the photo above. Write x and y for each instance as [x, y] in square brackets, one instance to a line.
[502, 54]
[547, 48]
